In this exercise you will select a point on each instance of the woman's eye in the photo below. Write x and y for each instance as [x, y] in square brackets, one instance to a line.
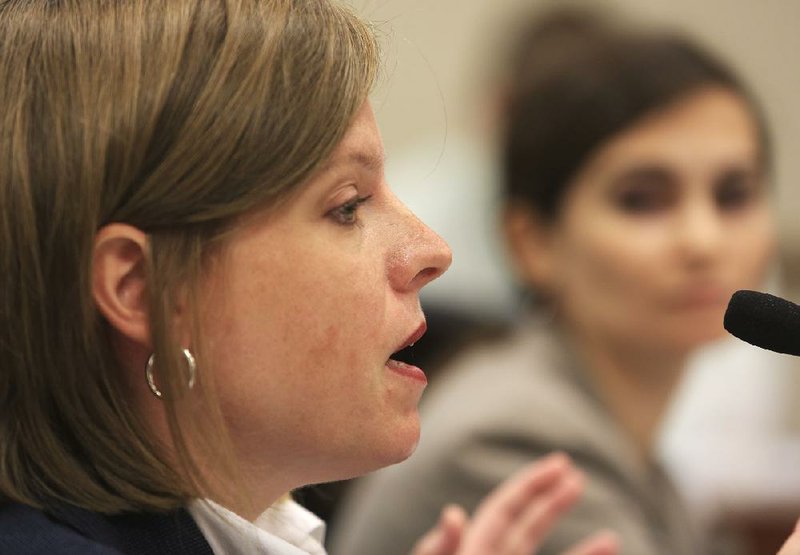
[644, 191]
[347, 213]
[643, 200]
[735, 190]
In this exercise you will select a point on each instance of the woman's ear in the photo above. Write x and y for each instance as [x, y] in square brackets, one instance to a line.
[119, 280]
[530, 242]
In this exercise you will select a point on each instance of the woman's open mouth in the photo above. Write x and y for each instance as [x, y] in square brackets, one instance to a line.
[404, 368]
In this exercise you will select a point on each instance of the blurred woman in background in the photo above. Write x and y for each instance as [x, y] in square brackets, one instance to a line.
[637, 201]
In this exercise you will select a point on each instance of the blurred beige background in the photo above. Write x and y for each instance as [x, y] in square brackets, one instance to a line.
[435, 109]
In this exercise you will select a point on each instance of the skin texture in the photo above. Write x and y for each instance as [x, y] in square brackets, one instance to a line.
[303, 310]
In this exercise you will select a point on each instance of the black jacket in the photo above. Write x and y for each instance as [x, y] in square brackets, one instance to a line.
[73, 531]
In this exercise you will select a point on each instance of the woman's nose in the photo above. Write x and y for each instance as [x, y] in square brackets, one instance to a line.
[420, 257]
[701, 232]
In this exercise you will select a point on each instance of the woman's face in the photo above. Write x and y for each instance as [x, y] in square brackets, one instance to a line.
[662, 225]
[304, 310]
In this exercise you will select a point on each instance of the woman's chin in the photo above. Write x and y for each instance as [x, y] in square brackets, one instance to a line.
[399, 446]
[372, 455]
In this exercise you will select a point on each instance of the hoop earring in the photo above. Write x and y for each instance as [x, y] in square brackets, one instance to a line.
[191, 364]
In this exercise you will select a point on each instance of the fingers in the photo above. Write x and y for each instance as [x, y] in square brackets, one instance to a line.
[514, 495]
[516, 517]
[445, 537]
[542, 513]
[519, 513]
[601, 543]
[792, 545]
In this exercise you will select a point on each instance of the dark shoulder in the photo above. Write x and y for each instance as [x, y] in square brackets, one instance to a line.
[28, 531]
[68, 530]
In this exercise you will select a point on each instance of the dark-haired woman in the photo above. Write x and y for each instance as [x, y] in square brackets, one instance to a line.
[637, 202]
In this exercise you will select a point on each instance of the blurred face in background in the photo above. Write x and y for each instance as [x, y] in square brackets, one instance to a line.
[661, 225]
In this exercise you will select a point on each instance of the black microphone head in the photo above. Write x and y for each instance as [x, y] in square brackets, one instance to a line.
[765, 321]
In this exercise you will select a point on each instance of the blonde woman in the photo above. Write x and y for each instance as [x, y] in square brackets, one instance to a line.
[204, 278]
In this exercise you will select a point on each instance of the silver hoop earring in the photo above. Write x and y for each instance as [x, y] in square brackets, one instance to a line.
[151, 382]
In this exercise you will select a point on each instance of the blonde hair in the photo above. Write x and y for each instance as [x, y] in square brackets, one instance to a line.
[176, 117]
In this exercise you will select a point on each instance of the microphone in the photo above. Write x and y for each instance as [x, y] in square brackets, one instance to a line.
[765, 321]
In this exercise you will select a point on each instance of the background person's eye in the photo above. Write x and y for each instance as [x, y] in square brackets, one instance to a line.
[642, 200]
[644, 191]
[735, 189]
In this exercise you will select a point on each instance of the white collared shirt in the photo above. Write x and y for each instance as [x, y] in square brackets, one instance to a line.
[285, 528]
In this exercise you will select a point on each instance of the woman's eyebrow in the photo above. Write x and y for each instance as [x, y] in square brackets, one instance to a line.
[368, 159]
[651, 171]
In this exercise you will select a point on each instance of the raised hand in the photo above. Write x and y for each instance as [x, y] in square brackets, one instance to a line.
[516, 517]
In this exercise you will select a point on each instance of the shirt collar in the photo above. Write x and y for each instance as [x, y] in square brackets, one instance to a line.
[285, 528]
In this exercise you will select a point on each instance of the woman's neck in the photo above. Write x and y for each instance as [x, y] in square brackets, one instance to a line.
[635, 383]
